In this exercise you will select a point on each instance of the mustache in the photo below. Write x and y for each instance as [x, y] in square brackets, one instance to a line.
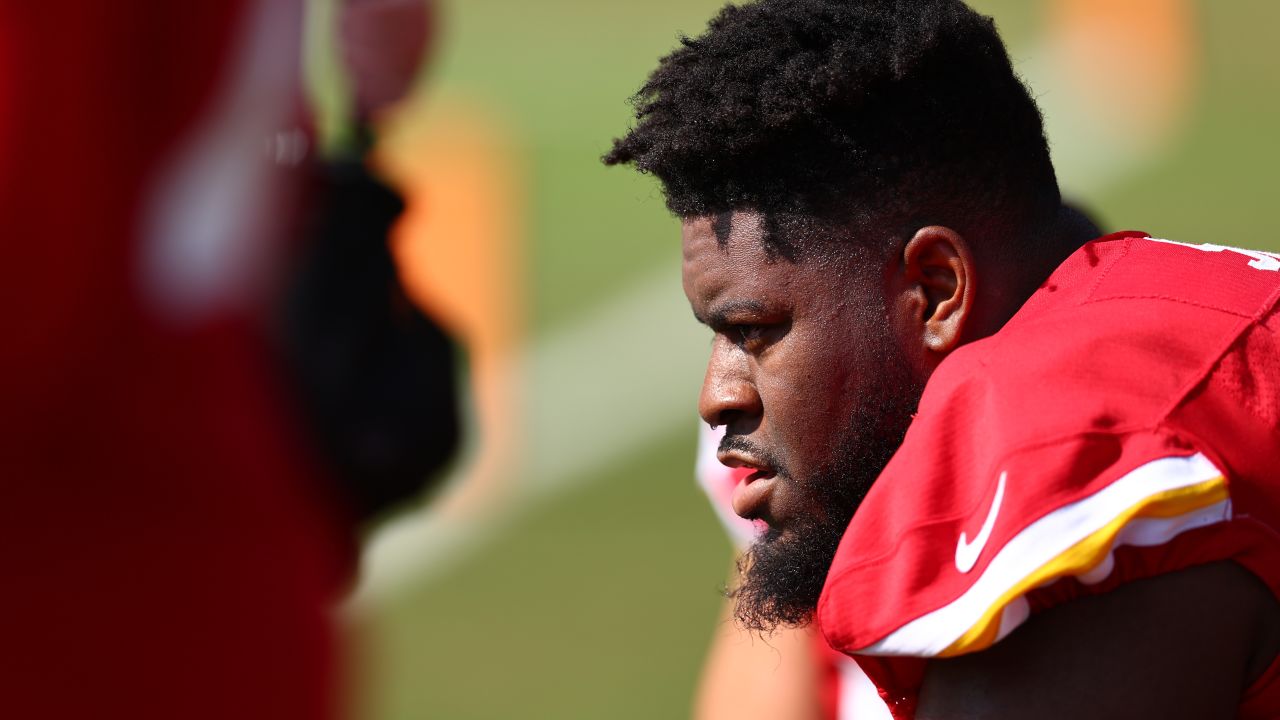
[743, 445]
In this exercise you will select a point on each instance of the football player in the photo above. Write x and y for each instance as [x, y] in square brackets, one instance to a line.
[1013, 471]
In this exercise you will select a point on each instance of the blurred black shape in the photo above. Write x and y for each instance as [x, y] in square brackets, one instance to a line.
[375, 376]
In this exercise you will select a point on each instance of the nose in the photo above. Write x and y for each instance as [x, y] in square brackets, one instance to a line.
[729, 396]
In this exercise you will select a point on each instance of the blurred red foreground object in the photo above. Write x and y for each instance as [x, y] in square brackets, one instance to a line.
[165, 554]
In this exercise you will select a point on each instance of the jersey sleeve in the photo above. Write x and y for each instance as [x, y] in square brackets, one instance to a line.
[1029, 535]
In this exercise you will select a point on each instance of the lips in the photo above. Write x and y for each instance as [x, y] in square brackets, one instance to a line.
[751, 495]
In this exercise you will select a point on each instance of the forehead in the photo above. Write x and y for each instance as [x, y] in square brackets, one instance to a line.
[711, 263]
[740, 242]
[739, 263]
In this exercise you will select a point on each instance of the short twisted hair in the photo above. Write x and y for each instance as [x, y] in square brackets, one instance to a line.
[848, 111]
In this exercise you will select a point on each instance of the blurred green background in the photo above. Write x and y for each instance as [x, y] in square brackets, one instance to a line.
[590, 590]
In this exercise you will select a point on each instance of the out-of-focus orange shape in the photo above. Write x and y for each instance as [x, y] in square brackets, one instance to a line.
[459, 249]
[1135, 61]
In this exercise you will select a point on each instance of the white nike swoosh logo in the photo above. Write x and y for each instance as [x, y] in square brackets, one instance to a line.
[967, 552]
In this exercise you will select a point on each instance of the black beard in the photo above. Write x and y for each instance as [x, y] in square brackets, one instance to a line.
[783, 572]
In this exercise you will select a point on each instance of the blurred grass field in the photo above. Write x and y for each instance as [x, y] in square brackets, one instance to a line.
[598, 602]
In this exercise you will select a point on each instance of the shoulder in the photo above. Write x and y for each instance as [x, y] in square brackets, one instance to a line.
[937, 568]
[1083, 449]
[1043, 465]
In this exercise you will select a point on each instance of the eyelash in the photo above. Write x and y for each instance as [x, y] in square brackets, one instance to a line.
[752, 337]
[745, 333]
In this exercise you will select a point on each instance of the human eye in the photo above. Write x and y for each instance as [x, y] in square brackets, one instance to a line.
[751, 337]
[745, 333]
[751, 327]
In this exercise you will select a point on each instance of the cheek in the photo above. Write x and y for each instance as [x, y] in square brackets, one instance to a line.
[808, 395]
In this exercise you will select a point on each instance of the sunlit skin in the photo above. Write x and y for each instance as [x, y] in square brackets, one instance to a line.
[789, 356]
[799, 344]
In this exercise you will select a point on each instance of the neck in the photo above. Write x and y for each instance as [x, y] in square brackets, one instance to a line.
[1018, 281]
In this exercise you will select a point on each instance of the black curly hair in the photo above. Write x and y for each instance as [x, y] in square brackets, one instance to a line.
[861, 114]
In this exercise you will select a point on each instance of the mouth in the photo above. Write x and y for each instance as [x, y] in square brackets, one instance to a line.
[751, 495]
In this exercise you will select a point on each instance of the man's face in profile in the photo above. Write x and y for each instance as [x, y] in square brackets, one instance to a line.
[813, 394]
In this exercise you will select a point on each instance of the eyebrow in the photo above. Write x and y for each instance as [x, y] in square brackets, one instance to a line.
[718, 317]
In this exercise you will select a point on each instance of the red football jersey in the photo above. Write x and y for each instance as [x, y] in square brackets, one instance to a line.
[1125, 423]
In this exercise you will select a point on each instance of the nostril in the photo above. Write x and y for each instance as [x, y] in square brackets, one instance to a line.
[724, 417]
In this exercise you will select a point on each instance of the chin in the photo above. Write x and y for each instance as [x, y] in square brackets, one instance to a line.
[782, 574]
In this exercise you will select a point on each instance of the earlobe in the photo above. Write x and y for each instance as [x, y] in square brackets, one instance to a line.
[938, 267]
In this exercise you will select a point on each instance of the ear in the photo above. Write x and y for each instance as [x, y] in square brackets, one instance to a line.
[933, 293]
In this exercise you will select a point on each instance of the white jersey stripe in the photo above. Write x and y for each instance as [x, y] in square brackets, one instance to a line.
[1036, 547]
